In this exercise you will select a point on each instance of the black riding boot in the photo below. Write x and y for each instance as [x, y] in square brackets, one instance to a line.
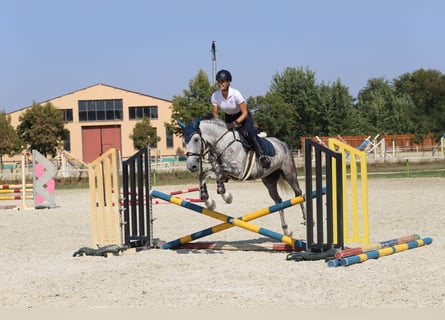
[264, 160]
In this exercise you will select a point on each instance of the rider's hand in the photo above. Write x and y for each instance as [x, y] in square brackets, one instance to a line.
[232, 125]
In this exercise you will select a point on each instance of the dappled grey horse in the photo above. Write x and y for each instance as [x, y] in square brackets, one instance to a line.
[231, 158]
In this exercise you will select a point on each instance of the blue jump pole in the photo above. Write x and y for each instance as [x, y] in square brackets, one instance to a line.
[248, 217]
[223, 226]
[375, 254]
[231, 220]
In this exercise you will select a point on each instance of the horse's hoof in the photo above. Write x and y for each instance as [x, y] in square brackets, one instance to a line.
[204, 196]
[210, 204]
[227, 197]
[220, 189]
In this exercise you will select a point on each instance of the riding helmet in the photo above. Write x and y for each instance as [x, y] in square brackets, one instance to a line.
[223, 75]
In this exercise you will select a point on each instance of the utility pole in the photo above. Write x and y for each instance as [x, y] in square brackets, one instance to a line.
[213, 62]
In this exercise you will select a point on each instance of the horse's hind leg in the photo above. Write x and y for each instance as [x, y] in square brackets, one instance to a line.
[291, 177]
[271, 182]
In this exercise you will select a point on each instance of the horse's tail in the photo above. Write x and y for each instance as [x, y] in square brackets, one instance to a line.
[284, 186]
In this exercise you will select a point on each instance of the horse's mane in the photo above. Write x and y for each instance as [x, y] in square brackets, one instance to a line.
[209, 118]
[190, 129]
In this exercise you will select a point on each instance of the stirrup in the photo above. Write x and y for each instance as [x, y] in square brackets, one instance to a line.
[265, 161]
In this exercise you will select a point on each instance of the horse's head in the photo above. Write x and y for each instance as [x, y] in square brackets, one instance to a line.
[193, 144]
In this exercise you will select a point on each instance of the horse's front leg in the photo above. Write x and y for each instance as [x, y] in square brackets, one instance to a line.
[220, 187]
[203, 193]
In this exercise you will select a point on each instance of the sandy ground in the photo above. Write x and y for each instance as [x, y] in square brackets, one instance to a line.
[38, 270]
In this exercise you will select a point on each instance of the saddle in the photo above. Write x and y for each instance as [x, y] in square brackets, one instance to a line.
[267, 146]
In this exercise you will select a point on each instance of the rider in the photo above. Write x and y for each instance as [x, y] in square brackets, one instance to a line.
[234, 106]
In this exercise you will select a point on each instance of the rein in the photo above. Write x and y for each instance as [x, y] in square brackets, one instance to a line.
[206, 149]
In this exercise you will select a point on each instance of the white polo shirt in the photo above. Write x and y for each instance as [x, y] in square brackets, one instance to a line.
[229, 105]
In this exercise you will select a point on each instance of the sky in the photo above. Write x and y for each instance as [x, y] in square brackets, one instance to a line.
[53, 47]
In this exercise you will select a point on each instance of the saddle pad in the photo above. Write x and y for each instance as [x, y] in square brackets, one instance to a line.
[267, 146]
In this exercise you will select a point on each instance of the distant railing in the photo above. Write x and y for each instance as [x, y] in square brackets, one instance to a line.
[12, 171]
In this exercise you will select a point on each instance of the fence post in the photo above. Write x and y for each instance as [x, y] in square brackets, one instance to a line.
[104, 199]
[330, 235]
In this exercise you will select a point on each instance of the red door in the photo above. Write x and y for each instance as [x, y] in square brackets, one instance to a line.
[99, 139]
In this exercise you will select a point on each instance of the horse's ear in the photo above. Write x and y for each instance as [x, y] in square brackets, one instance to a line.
[196, 123]
[181, 124]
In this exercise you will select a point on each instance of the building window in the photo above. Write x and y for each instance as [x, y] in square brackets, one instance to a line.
[67, 142]
[100, 110]
[150, 112]
[67, 114]
[169, 135]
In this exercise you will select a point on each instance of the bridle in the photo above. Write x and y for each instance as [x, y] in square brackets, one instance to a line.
[203, 146]
[207, 148]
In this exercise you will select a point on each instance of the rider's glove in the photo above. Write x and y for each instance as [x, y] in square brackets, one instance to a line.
[232, 125]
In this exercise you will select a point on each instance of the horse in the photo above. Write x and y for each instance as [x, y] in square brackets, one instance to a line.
[231, 158]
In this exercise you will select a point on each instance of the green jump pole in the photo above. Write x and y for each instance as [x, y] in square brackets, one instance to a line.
[230, 220]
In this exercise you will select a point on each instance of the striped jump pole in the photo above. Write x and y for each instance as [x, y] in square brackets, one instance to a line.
[159, 201]
[6, 191]
[194, 189]
[375, 254]
[375, 246]
[23, 191]
[15, 186]
[13, 195]
[176, 192]
[229, 220]
[223, 226]
[369, 247]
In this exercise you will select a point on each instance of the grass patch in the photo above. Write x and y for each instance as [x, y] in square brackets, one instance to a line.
[158, 179]
[407, 169]
[439, 173]
[174, 178]
[72, 183]
[400, 169]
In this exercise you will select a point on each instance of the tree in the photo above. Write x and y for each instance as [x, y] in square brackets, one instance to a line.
[193, 103]
[144, 135]
[297, 87]
[9, 141]
[384, 109]
[426, 89]
[42, 128]
[296, 106]
[274, 116]
[337, 113]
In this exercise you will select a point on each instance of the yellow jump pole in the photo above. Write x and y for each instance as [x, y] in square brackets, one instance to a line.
[230, 220]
